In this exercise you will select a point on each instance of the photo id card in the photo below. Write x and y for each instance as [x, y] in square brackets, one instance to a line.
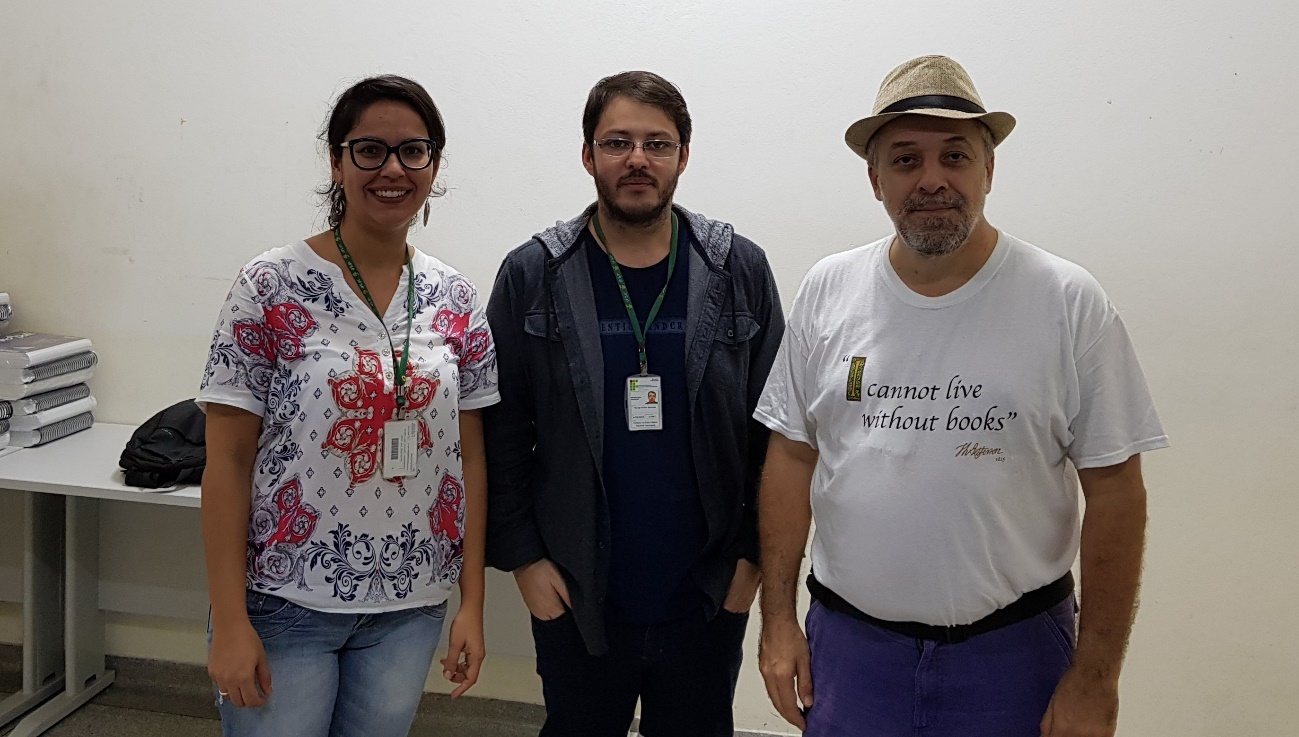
[401, 448]
[644, 402]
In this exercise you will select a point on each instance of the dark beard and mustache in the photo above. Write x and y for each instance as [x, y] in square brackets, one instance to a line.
[936, 235]
[642, 216]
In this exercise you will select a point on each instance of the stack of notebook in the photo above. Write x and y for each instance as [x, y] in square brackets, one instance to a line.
[43, 387]
[6, 411]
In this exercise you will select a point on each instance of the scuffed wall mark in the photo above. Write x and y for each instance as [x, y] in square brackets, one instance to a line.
[119, 252]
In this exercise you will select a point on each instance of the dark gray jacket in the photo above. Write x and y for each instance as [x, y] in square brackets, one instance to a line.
[545, 438]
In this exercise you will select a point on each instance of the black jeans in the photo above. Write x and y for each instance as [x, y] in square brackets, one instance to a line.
[683, 673]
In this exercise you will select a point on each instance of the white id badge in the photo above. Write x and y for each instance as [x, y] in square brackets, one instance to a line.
[400, 448]
[644, 402]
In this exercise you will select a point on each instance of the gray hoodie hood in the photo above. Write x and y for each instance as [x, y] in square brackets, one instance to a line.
[714, 235]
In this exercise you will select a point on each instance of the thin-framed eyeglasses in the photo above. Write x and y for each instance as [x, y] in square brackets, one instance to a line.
[370, 153]
[617, 148]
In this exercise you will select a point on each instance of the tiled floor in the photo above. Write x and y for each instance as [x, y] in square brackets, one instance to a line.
[93, 720]
[98, 720]
[152, 698]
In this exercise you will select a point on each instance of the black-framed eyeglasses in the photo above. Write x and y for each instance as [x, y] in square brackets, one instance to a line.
[618, 148]
[370, 153]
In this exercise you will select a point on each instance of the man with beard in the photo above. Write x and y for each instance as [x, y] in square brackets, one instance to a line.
[932, 390]
[633, 343]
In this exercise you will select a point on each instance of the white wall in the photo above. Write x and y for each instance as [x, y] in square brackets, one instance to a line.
[147, 150]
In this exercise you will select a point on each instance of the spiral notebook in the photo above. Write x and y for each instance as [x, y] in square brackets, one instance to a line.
[49, 369]
[6, 311]
[50, 416]
[44, 401]
[19, 391]
[21, 350]
[50, 433]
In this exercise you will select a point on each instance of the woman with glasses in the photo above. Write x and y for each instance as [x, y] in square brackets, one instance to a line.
[345, 492]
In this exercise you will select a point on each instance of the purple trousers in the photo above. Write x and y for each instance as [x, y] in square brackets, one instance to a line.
[871, 682]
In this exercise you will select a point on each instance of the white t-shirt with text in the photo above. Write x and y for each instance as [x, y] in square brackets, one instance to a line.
[943, 425]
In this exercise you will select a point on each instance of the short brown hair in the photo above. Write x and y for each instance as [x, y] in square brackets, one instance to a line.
[644, 87]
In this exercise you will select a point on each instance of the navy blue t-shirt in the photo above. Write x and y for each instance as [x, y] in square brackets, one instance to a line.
[656, 515]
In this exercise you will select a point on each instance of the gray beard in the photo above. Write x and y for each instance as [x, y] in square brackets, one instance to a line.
[935, 237]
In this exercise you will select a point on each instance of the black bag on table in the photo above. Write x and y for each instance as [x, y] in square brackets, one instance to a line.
[170, 448]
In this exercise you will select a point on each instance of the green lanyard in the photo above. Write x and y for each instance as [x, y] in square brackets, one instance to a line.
[626, 296]
[404, 360]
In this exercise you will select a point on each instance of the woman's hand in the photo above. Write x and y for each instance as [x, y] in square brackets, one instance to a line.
[237, 665]
[466, 650]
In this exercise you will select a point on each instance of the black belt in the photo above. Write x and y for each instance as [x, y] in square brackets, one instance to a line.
[1029, 605]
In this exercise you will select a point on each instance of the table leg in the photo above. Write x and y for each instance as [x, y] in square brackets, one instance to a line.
[83, 622]
[42, 605]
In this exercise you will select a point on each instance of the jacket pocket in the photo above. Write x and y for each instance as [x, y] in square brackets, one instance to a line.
[736, 328]
[542, 325]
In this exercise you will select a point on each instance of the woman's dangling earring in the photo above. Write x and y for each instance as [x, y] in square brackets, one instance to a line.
[426, 209]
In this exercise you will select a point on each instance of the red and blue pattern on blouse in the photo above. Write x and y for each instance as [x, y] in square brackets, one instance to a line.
[297, 347]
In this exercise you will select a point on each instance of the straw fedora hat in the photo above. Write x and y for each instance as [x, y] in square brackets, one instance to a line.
[928, 85]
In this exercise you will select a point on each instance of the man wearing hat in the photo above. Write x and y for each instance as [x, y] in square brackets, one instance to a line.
[931, 393]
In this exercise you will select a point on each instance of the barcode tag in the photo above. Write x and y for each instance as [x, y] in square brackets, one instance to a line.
[400, 448]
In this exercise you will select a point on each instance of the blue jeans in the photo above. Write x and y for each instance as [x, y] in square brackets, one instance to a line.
[338, 675]
[872, 682]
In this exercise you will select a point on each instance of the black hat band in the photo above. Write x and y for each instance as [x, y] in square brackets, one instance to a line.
[941, 102]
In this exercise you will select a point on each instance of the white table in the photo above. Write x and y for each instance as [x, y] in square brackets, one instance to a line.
[63, 628]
